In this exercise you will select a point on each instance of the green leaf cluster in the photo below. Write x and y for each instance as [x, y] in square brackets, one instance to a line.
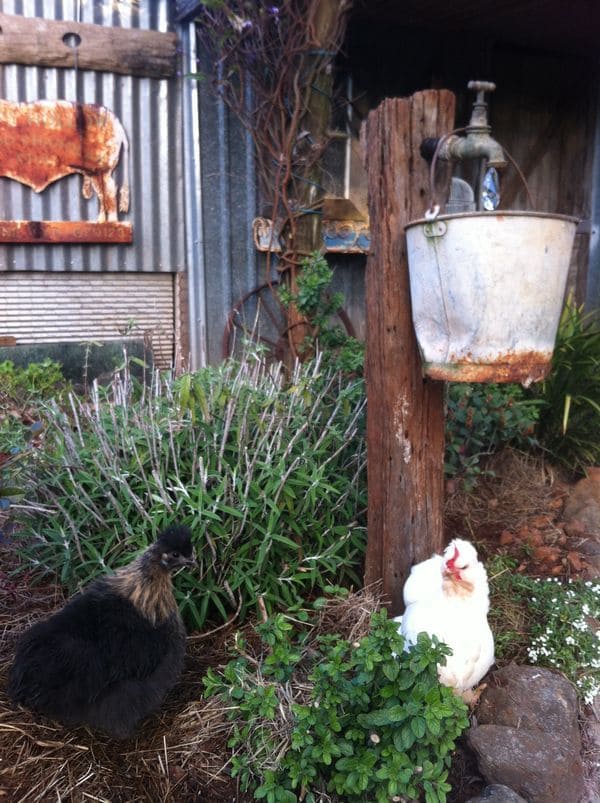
[373, 722]
[315, 301]
[265, 467]
[557, 625]
[569, 399]
[480, 419]
[32, 383]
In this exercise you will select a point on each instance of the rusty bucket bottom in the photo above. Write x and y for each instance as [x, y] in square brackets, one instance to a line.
[521, 369]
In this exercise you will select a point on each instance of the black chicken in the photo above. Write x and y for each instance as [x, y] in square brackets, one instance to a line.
[108, 658]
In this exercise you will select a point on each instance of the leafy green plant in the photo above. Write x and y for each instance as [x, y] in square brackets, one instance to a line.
[315, 301]
[266, 468]
[363, 720]
[558, 625]
[16, 442]
[34, 382]
[479, 420]
[569, 415]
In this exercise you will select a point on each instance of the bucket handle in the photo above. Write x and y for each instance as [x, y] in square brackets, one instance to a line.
[434, 208]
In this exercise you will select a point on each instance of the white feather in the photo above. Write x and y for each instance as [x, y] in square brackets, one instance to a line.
[455, 613]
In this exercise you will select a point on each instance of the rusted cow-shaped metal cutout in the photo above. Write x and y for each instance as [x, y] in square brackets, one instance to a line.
[45, 140]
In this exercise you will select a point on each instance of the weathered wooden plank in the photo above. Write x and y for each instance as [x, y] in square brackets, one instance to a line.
[405, 421]
[126, 51]
[64, 231]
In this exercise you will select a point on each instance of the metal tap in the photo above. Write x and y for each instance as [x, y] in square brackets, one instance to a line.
[478, 143]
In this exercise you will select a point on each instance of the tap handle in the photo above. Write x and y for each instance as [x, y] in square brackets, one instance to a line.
[481, 87]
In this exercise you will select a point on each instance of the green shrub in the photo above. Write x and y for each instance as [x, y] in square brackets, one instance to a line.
[267, 470]
[319, 306]
[22, 391]
[556, 627]
[569, 417]
[480, 419]
[36, 381]
[16, 444]
[363, 720]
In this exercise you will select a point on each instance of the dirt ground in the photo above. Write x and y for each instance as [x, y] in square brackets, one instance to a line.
[181, 754]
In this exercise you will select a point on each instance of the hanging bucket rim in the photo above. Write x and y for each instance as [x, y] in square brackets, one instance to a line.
[496, 214]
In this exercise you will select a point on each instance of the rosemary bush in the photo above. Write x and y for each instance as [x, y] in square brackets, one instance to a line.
[267, 470]
[317, 715]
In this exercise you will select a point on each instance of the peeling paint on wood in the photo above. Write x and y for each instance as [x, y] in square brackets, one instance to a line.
[339, 236]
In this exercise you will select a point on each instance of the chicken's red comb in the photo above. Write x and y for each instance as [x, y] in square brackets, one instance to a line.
[451, 561]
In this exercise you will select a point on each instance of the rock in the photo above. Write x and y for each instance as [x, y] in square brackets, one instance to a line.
[583, 503]
[527, 734]
[533, 698]
[539, 766]
[497, 793]
[547, 554]
[591, 741]
[591, 552]
[574, 528]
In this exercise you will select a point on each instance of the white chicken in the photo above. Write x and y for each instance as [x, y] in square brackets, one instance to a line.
[448, 596]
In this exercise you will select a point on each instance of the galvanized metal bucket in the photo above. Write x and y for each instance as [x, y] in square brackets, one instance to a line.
[487, 290]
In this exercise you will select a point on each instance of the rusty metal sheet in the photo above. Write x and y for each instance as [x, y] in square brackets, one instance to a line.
[520, 366]
[64, 231]
[45, 140]
[150, 111]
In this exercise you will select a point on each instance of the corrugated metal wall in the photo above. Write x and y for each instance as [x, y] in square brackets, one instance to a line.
[193, 188]
[230, 263]
[76, 293]
[114, 307]
[150, 111]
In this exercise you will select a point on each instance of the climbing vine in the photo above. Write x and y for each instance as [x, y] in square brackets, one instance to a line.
[273, 69]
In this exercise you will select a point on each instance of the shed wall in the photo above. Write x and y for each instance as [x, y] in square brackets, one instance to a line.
[75, 307]
[150, 111]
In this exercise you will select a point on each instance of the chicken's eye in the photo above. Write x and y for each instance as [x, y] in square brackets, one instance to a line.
[175, 554]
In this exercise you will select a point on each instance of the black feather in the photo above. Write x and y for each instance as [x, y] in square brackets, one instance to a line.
[176, 538]
[108, 658]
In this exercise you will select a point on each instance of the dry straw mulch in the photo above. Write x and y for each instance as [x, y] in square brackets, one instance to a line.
[519, 486]
[179, 755]
[168, 760]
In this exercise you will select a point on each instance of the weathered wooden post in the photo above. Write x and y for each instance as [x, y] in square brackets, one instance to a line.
[405, 415]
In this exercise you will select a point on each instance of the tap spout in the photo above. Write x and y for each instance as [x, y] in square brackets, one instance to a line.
[478, 142]
[476, 145]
